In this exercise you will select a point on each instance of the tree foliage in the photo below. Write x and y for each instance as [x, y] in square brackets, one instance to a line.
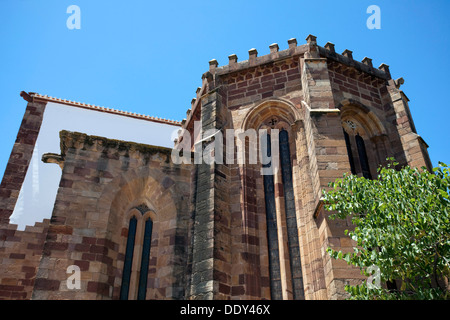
[401, 226]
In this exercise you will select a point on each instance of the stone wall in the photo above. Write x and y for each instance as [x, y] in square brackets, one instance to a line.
[20, 253]
[102, 181]
[20, 158]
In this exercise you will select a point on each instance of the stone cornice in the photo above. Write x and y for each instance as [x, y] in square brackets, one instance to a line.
[79, 140]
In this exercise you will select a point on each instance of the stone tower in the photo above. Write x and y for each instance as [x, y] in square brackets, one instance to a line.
[140, 226]
[256, 236]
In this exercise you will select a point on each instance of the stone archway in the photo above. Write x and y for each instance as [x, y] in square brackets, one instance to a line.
[271, 200]
[151, 193]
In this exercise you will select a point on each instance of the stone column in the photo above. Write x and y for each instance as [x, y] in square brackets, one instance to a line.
[286, 282]
[328, 160]
[211, 233]
[413, 149]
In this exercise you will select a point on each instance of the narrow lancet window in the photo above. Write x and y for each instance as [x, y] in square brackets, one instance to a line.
[291, 220]
[142, 290]
[363, 157]
[272, 233]
[126, 276]
[349, 152]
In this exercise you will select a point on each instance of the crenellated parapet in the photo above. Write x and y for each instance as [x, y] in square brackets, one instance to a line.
[311, 49]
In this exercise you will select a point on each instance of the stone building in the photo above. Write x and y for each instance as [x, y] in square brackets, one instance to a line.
[137, 225]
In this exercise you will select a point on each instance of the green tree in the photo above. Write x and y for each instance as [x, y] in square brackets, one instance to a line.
[401, 229]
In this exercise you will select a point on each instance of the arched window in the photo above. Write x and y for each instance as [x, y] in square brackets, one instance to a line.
[358, 158]
[137, 256]
[366, 138]
[295, 270]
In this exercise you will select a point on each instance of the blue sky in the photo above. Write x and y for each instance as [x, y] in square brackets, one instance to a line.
[148, 57]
